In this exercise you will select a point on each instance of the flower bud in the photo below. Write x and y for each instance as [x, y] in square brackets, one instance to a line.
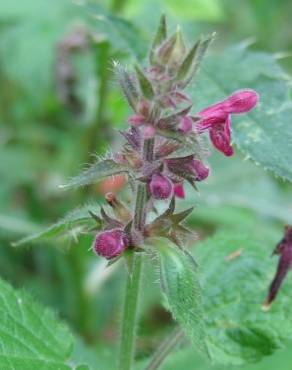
[202, 172]
[160, 187]
[186, 124]
[179, 190]
[111, 243]
[136, 120]
[241, 101]
[149, 132]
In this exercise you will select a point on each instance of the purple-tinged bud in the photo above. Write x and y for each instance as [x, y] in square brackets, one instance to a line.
[111, 243]
[284, 249]
[168, 102]
[179, 190]
[136, 120]
[182, 97]
[149, 132]
[143, 108]
[186, 124]
[241, 101]
[160, 187]
[202, 172]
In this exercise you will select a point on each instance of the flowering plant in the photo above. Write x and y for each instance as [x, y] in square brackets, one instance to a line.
[164, 148]
[167, 145]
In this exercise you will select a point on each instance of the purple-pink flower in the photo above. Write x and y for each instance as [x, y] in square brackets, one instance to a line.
[217, 118]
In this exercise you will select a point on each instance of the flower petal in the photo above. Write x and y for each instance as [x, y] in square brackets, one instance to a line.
[220, 135]
[241, 101]
[179, 190]
[218, 116]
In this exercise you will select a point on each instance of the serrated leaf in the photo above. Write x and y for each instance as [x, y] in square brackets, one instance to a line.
[30, 336]
[265, 133]
[96, 172]
[180, 285]
[77, 216]
[235, 274]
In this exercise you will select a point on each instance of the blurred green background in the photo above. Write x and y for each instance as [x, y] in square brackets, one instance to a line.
[59, 104]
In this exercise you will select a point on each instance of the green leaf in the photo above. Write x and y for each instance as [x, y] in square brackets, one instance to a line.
[96, 172]
[145, 84]
[30, 336]
[122, 34]
[128, 85]
[236, 271]
[78, 217]
[160, 36]
[182, 291]
[210, 10]
[265, 133]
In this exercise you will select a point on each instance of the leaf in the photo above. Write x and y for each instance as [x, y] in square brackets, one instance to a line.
[145, 84]
[65, 225]
[96, 172]
[159, 37]
[182, 291]
[210, 10]
[128, 85]
[235, 274]
[30, 336]
[122, 34]
[265, 133]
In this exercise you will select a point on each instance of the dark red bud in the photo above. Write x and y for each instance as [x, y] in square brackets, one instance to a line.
[179, 190]
[111, 243]
[202, 172]
[186, 124]
[160, 187]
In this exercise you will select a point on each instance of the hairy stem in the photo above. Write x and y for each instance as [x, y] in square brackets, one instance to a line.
[127, 347]
[130, 314]
[165, 349]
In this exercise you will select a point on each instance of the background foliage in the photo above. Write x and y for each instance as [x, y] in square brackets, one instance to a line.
[51, 124]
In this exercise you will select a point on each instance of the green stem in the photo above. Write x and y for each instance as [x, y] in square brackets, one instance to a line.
[130, 314]
[165, 349]
[128, 335]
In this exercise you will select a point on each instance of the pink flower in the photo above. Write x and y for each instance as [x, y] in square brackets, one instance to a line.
[160, 187]
[241, 101]
[217, 118]
[111, 243]
[179, 190]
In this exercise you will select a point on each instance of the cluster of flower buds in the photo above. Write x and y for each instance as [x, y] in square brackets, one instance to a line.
[284, 250]
[163, 145]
